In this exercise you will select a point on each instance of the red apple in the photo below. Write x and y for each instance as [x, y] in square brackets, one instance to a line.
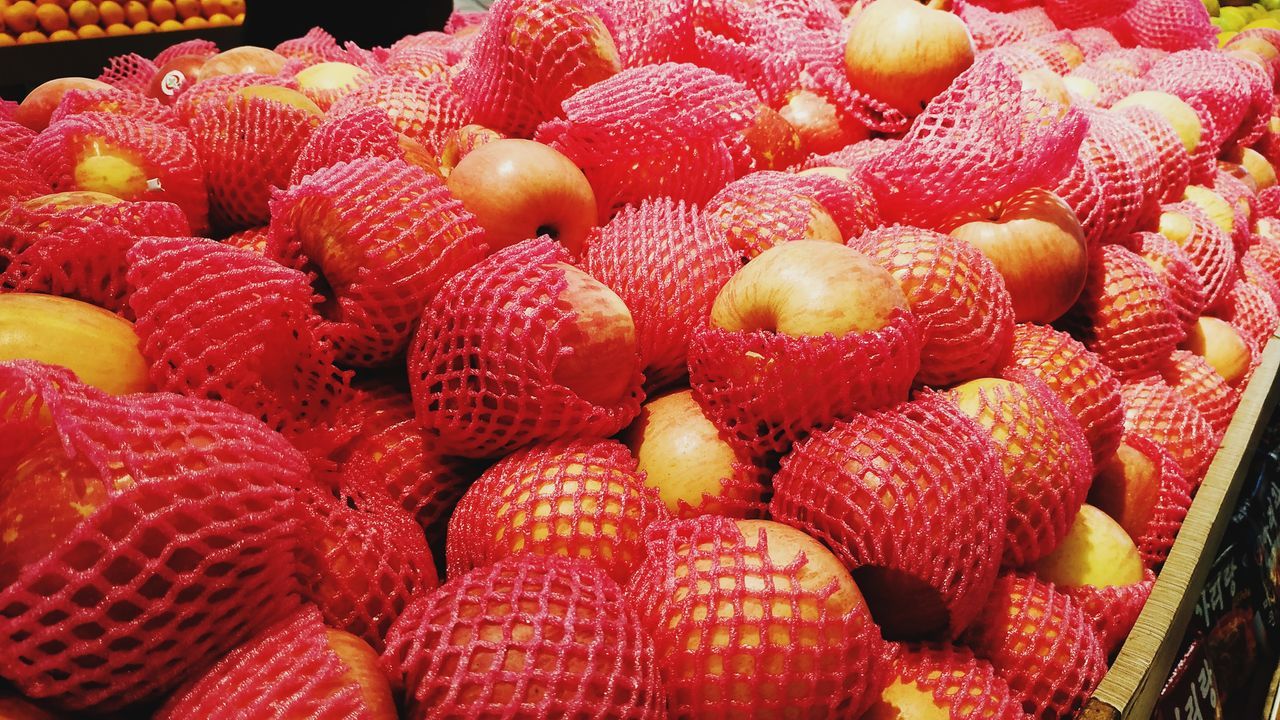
[1038, 246]
[329, 80]
[818, 124]
[462, 141]
[174, 77]
[603, 338]
[243, 59]
[1213, 205]
[362, 670]
[1221, 346]
[520, 189]
[1127, 487]
[39, 104]
[904, 54]
[775, 144]
[283, 95]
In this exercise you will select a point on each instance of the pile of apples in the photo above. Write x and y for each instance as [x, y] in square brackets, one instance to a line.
[606, 358]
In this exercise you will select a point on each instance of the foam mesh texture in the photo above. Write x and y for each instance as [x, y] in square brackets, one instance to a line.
[1172, 501]
[122, 102]
[1197, 381]
[960, 682]
[1251, 311]
[423, 109]
[1156, 410]
[1176, 271]
[130, 72]
[1114, 609]
[367, 132]
[1210, 250]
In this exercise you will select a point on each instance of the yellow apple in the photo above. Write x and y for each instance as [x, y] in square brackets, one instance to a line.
[1221, 346]
[1173, 109]
[904, 700]
[282, 95]
[1096, 551]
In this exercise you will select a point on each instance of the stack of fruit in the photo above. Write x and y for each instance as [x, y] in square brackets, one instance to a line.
[603, 358]
[23, 22]
[1233, 17]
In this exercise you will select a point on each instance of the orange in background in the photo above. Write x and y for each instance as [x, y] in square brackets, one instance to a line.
[52, 18]
[112, 13]
[91, 31]
[146, 26]
[162, 10]
[118, 29]
[83, 13]
[135, 12]
[32, 36]
[187, 8]
[170, 25]
[20, 17]
[62, 35]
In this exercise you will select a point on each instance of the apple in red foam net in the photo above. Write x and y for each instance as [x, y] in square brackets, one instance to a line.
[1127, 487]
[174, 77]
[818, 123]
[243, 59]
[521, 189]
[603, 337]
[40, 103]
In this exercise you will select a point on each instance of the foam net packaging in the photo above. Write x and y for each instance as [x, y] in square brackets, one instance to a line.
[248, 146]
[1105, 189]
[1266, 251]
[818, 380]
[673, 130]
[647, 32]
[544, 637]
[1113, 610]
[1068, 14]
[749, 44]
[117, 101]
[959, 682]
[383, 236]
[913, 500]
[1197, 381]
[1125, 315]
[1041, 643]
[1078, 378]
[197, 97]
[1209, 248]
[1251, 310]
[290, 670]
[982, 141]
[130, 72]
[198, 46]
[425, 109]
[1172, 500]
[171, 171]
[1167, 25]
[367, 132]
[666, 261]
[1231, 96]
[1175, 270]
[1156, 410]
[189, 552]
[956, 295]
[316, 46]
[576, 498]
[17, 180]
[57, 245]
[1253, 273]
[530, 56]
[482, 363]
[744, 625]
[15, 137]
[1043, 453]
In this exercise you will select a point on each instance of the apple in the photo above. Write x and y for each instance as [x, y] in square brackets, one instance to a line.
[330, 79]
[1173, 109]
[1258, 167]
[603, 338]
[1036, 243]
[112, 169]
[1126, 487]
[101, 348]
[174, 77]
[906, 700]
[459, 142]
[283, 95]
[1221, 345]
[241, 60]
[683, 455]
[1214, 205]
[1096, 551]
[774, 143]
[1083, 88]
[904, 54]
[1047, 84]
[763, 210]
[39, 104]
[363, 671]
[520, 189]
[818, 124]
[808, 288]
[930, 679]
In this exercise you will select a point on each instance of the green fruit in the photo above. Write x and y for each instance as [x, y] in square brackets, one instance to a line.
[1271, 5]
[1212, 6]
[1225, 37]
[1232, 19]
[1266, 22]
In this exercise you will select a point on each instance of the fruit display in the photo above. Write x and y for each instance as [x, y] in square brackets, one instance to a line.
[24, 22]
[622, 358]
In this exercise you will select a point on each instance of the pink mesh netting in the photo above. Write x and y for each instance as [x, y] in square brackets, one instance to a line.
[382, 237]
[423, 109]
[17, 180]
[1112, 84]
[1172, 500]
[199, 97]
[189, 552]
[851, 157]
[541, 637]
[743, 627]
[1124, 169]
[964, 685]
[228, 324]
[1173, 164]
[989, 27]
[1082, 13]
[1251, 310]
[672, 130]
[428, 61]
[1167, 24]
[1231, 96]
[1041, 643]
[1175, 270]
[1093, 41]
[1266, 251]
[912, 500]
[648, 32]
[1079, 378]
[316, 46]
[1113, 610]
[1253, 273]
[750, 44]
[115, 100]
[1044, 455]
[1197, 381]
[983, 140]
[1241, 199]
[365, 560]
[248, 146]
[1159, 412]
[166, 156]
[1125, 314]
[367, 132]
[813, 381]
[78, 251]
[1209, 248]
[15, 137]
[956, 295]
[130, 72]
[482, 363]
[458, 143]
[667, 262]
[289, 671]
[574, 498]
[196, 46]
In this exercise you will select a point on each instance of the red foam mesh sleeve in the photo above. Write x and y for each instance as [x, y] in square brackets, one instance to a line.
[166, 155]
[956, 295]
[1232, 96]
[289, 671]
[366, 132]
[1079, 378]
[960, 682]
[990, 28]
[913, 501]
[115, 100]
[1113, 610]
[1242, 200]
[1156, 410]
[482, 362]
[1173, 499]
[648, 32]
[737, 633]
[248, 146]
[1210, 250]
[530, 55]
[428, 61]
[423, 109]
[17, 180]
[814, 381]
[15, 137]
[1093, 41]
[228, 324]
[1176, 272]
[1197, 381]
[1266, 251]
[1124, 314]
[316, 46]
[1076, 14]
[384, 236]
[198, 97]
[1113, 85]
[1268, 201]
[1123, 182]
[1168, 25]
[576, 498]
[672, 130]
[748, 44]
[1045, 458]
[543, 637]
[80, 251]
[851, 156]
[1250, 310]
[1041, 643]
[254, 239]
[1162, 160]
[365, 559]
[130, 72]
[1253, 273]
[666, 261]
[197, 46]
[190, 553]
[981, 141]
